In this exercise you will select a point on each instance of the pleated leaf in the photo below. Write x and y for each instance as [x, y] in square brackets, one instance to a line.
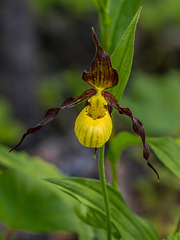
[88, 192]
[122, 57]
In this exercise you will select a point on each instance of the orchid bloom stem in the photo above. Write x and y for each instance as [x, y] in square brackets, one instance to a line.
[104, 191]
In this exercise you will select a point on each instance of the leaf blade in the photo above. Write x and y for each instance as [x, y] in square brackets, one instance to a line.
[119, 143]
[88, 192]
[123, 55]
[27, 202]
[166, 149]
[168, 152]
[121, 13]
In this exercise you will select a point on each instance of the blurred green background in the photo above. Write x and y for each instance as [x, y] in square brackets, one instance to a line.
[44, 47]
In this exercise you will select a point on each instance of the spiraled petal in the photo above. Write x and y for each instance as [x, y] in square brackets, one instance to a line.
[53, 112]
[137, 126]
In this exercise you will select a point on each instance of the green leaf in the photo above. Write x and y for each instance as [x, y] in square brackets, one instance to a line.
[122, 57]
[121, 12]
[88, 233]
[96, 220]
[26, 164]
[173, 237]
[88, 192]
[89, 217]
[119, 143]
[168, 152]
[166, 149]
[27, 202]
[115, 17]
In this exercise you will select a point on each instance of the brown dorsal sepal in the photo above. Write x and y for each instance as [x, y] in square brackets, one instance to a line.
[102, 75]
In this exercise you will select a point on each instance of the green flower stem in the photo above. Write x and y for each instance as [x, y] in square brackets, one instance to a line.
[114, 174]
[104, 191]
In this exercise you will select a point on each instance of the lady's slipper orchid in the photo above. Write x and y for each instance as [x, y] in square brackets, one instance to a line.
[93, 125]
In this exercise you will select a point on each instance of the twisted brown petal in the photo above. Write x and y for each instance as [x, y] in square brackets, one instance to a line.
[49, 116]
[102, 74]
[72, 101]
[137, 126]
[53, 112]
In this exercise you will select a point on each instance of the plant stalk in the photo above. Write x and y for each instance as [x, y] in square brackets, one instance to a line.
[104, 191]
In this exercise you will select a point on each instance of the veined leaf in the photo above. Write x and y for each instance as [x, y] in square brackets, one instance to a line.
[168, 152]
[122, 57]
[88, 192]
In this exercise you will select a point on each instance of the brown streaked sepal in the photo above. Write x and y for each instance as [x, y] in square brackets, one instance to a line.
[137, 126]
[49, 116]
[102, 75]
[72, 101]
[53, 112]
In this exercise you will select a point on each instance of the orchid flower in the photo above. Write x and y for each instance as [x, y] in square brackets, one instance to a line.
[93, 125]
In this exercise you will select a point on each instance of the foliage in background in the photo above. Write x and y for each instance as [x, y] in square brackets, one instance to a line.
[53, 89]
[173, 237]
[8, 125]
[73, 6]
[152, 20]
[155, 200]
[155, 100]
